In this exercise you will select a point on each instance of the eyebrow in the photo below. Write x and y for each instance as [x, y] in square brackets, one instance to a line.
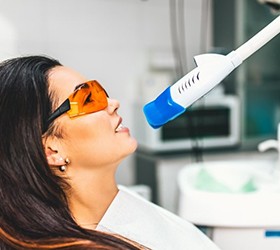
[78, 86]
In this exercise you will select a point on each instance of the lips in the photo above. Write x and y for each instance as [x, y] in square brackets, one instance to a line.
[119, 126]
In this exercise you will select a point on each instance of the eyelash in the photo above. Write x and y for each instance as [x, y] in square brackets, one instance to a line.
[88, 99]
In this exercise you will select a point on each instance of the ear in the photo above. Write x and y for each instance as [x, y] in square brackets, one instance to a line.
[52, 153]
[53, 157]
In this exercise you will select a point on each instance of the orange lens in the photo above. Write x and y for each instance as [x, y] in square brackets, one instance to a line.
[89, 98]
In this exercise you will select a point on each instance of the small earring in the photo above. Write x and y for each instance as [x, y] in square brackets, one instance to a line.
[64, 167]
[67, 161]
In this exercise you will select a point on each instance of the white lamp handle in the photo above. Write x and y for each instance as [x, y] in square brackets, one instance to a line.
[260, 39]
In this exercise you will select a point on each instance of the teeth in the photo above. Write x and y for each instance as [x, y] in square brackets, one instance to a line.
[119, 127]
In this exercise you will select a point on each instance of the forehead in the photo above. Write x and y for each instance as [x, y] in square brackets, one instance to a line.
[63, 80]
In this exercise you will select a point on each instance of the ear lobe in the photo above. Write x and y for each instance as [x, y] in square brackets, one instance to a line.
[53, 157]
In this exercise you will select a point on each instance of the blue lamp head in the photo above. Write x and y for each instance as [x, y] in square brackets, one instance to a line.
[162, 109]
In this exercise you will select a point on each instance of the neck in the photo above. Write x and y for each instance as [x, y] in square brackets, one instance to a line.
[90, 196]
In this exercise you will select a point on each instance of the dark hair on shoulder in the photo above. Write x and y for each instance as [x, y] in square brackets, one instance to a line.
[33, 205]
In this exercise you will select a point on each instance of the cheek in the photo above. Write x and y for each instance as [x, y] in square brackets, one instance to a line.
[91, 140]
[88, 135]
[85, 123]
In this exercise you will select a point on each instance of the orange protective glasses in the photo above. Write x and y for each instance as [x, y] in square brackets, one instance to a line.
[88, 97]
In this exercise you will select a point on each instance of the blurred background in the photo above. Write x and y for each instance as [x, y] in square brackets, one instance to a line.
[136, 48]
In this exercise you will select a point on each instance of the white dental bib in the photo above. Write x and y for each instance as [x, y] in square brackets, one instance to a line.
[137, 219]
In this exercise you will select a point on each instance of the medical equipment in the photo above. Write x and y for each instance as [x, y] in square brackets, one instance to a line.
[211, 70]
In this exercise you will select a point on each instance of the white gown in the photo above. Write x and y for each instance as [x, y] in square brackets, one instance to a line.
[137, 219]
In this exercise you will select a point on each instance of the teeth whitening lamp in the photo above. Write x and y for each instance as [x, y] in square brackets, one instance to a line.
[211, 70]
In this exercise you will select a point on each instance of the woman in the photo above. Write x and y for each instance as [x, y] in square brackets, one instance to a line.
[61, 143]
[34, 186]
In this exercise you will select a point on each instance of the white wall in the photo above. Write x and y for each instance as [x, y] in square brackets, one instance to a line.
[108, 40]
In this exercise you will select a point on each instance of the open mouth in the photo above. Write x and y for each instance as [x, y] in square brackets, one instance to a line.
[119, 128]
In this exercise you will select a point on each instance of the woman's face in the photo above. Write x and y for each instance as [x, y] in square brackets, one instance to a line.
[92, 140]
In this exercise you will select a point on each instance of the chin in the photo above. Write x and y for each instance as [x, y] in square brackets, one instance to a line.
[133, 144]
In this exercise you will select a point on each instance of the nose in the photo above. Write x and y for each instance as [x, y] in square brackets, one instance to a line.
[113, 105]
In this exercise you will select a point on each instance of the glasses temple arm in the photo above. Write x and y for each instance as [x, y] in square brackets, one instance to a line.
[64, 107]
